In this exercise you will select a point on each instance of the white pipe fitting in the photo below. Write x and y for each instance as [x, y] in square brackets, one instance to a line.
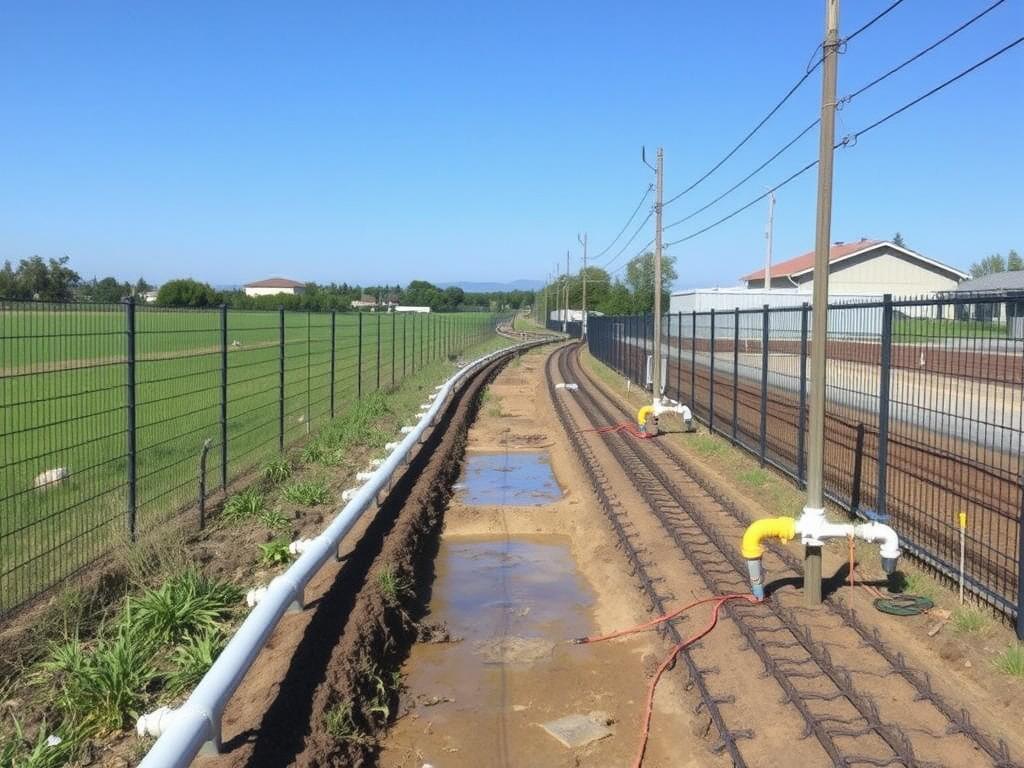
[155, 723]
[391, 446]
[195, 726]
[815, 529]
[665, 405]
[375, 463]
[407, 430]
[362, 477]
[299, 546]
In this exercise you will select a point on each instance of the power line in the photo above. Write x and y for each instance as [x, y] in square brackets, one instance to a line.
[851, 139]
[749, 135]
[868, 24]
[746, 178]
[854, 136]
[919, 54]
[632, 237]
[844, 100]
[626, 225]
[738, 211]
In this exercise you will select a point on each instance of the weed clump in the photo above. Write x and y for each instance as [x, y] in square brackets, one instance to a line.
[244, 505]
[308, 493]
[275, 553]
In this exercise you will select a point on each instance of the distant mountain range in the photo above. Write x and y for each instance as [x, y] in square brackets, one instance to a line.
[515, 285]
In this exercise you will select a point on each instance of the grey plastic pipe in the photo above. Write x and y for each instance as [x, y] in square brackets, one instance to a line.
[195, 726]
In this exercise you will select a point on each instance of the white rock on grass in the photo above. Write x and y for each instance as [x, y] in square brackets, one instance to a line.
[50, 477]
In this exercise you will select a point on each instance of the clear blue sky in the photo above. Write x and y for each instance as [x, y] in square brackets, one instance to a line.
[382, 142]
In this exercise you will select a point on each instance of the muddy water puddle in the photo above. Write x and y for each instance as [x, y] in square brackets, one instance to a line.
[512, 478]
[510, 605]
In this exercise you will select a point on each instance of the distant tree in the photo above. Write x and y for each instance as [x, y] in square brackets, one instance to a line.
[187, 293]
[1014, 262]
[640, 278]
[420, 293]
[141, 288]
[10, 286]
[989, 265]
[108, 290]
[898, 240]
[51, 280]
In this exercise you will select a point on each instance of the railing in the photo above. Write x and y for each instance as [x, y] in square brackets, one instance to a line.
[106, 410]
[196, 725]
[924, 409]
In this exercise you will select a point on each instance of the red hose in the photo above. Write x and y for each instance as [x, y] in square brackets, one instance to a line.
[719, 601]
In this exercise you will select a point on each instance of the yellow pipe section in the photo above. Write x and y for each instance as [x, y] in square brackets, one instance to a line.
[642, 414]
[782, 528]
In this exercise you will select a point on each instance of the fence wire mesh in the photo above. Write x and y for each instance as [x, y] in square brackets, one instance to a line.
[106, 408]
[924, 412]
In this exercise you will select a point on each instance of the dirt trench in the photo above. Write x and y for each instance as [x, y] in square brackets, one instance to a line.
[335, 660]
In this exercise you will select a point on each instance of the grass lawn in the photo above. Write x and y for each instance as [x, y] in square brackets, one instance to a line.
[64, 391]
[910, 329]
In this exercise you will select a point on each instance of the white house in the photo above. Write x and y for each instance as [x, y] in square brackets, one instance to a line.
[870, 267]
[274, 286]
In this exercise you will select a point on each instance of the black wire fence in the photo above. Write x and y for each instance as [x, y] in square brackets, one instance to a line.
[925, 400]
[108, 410]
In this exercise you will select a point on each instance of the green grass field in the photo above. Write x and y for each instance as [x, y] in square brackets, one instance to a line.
[64, 390]
[910, 329]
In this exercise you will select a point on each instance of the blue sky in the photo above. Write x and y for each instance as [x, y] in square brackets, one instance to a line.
[382, 142]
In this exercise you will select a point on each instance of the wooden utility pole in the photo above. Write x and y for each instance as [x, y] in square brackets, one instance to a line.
[659, 178]
[819, 328]
[583, 274]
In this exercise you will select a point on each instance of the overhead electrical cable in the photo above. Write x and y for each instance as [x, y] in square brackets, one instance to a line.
[626, 225]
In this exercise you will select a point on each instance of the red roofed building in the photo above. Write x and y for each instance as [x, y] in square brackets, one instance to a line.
[273, 286]
[864, 267]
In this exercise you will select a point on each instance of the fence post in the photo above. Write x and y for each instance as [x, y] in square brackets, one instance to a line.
[280, 398]
[883, 407]
[405, 337]
[359, 357]
[679, 353]
[735, 371]
[394, 320]
[801, 435]
[764, 383]
[309, 347]
[129, 310]
[378, 350]
[334, 319]
[711, 378]
[693, 362]
[858, 464]
[223, 398]
[1020, 562]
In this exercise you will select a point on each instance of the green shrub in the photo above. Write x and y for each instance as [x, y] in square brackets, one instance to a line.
[244, 506]
[275, 520]
[308, 493]
[189, 604]
[1011, 661]
[192, 659]
[276, 471]
[969, 619]
[394, 587]
[340, 723]
[102, 688]
[17, 750]
[275, 553]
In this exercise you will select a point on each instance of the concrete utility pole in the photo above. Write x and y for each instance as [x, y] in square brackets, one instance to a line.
[565, 318]
[768, 237]
[659, 177]
[558, 293]
[819, 327]
[583, 274]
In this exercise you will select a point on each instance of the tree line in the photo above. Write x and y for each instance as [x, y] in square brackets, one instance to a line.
[629, 294]
[55, 280]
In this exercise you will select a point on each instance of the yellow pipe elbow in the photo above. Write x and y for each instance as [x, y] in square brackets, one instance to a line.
[782, 528]
[643, 413]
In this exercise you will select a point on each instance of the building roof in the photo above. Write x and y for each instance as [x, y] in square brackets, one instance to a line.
[839, 251]
[275, 282]
[997, 281]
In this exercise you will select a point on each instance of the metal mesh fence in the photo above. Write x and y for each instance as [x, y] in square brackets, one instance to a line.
[106, 410]
[924, 413]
